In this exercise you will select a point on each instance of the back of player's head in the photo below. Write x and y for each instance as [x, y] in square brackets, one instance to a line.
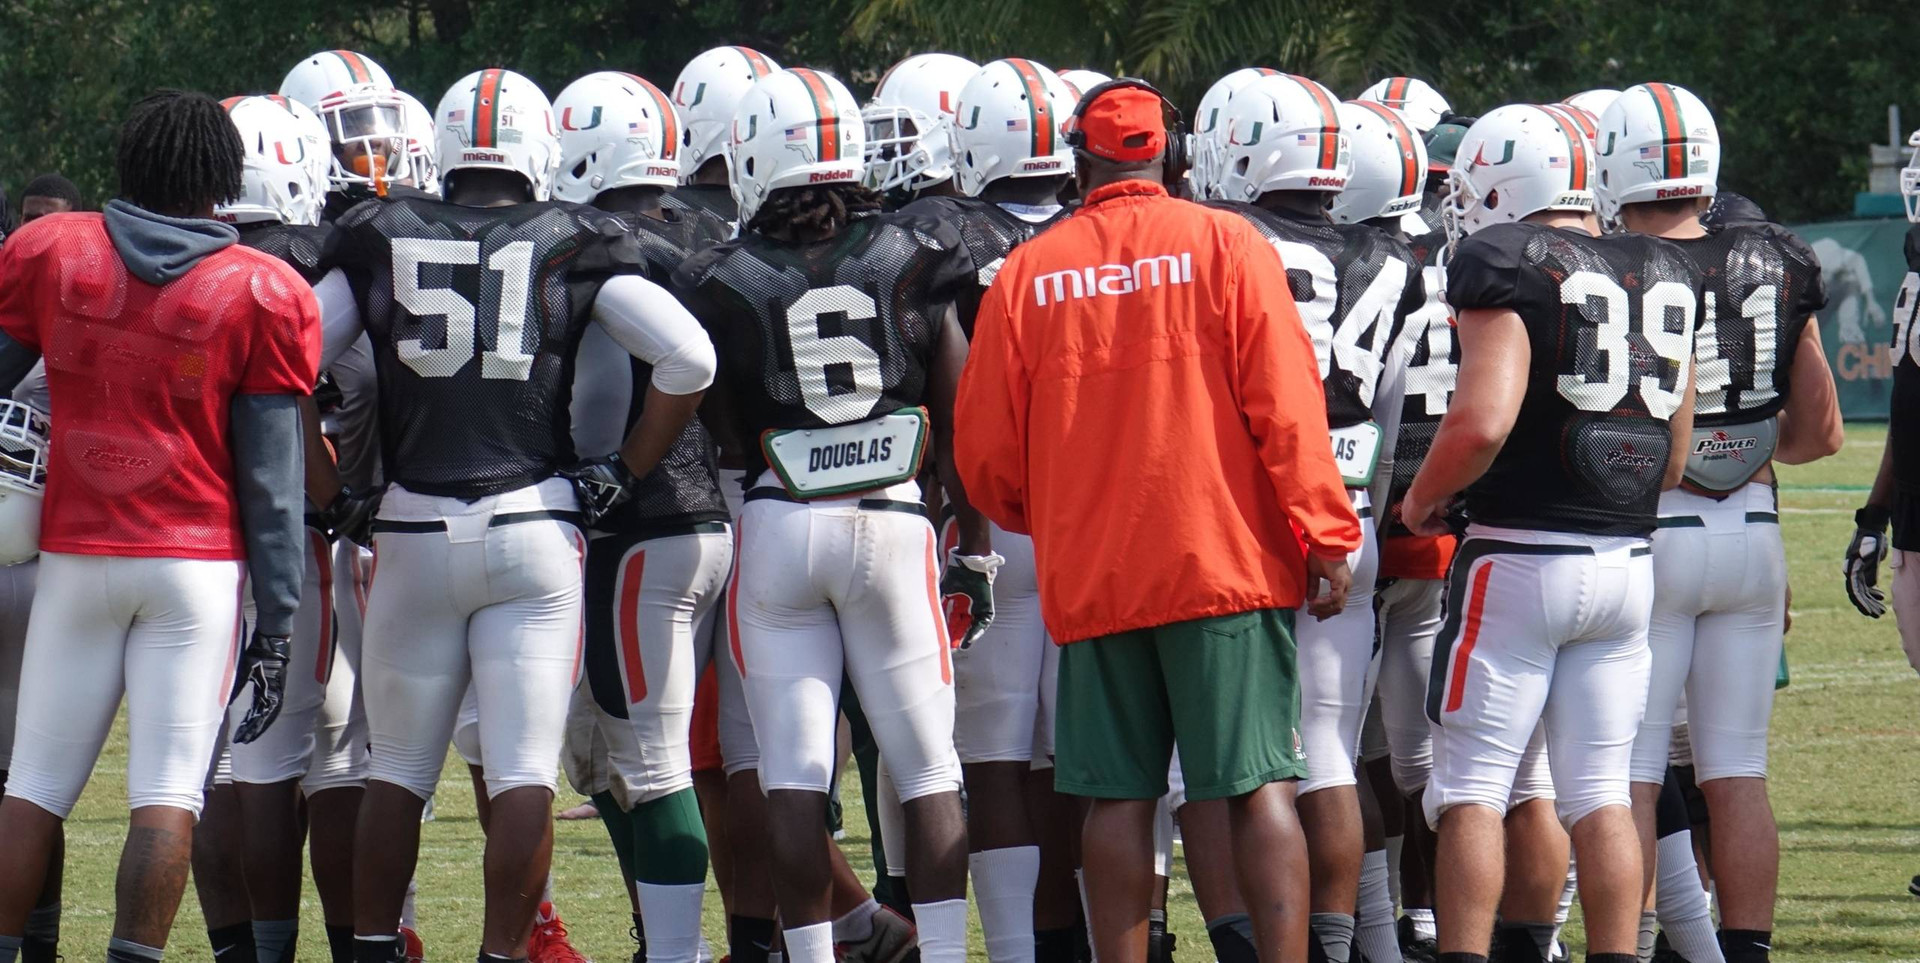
[808, 213]
[1657, 142]
[1207, 120]
[706, 93]
[1415, 100]
[1280, 133]
[798, 127]
[616, 130]
[179, 154]
[1517, 161]
[54, 187]
[1010, 122]
[498, 120]
[1389, 171]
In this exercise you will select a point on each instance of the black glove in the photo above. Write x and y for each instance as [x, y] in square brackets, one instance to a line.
[601, 484]
[350, 515]
[1862, 565]
[966, 593]
[264, 663]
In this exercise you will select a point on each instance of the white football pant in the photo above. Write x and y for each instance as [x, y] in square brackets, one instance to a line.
[493, 596]
[1719, 618]
[16, 603]
[1003, 684]
[1540, 625]
[163, 631]
[1336, 668]
[1409, 611]
[1906, 602]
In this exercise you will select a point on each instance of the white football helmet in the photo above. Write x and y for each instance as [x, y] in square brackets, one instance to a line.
[1280, 133]
[793, 128]
[1009, 123]
[284, 172]
[1415, 99]
[1583, 120]
[495, 119]
[23, 479]
[362, 112]
[707, 93]
[330, 72]
[1389, 173]
[1910, 180]
[1080, 80]
[1595, 101]
[616, 130]
[1202, 145]
[1657, 142]
[417, 121]
[910, 121]
[1514, 161]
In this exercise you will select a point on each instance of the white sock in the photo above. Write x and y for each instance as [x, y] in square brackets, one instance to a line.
[1423, 925]
[1086, 908]
[805, 944]
[672, 916]
[407, 919]
[1395, 845]
[1003, 884]
[1376, 936]
[546, 895]
[1681, 902]
[857, 925]
[1567, 893]
[943, 930]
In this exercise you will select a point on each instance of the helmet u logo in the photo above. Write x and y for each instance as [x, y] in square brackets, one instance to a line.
[566, 120]
[280, 151]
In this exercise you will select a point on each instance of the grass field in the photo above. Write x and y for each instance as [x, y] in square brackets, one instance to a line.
[1846, 787]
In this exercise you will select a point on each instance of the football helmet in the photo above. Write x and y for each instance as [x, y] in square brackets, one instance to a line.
[1009, 123]
[1910, 180]
[1582, 119]
[23, 479]
[1656, 142]
[495, 119]
[417, 121]
[331, 71]
[793, 128]
[1595, 101]
[910, 121]
[1415, 99]
[284, 172]
[707, 93]
[1202, 145]
[1389, 173]
[1514, 161]
[1080, 80]
[1280, 133]
[616, 130]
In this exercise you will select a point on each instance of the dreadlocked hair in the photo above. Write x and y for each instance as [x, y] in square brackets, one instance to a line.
[179, 153]
[813, 212]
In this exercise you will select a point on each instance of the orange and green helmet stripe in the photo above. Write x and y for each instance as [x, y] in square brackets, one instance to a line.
[1329, 122]
[1041, 121]
[827, 131]
[486, 107]
[1403, 141]
[757, 61]
[356, 66]
[1396, 95]
[669, 119]
[1576, 149]
[1673, 130]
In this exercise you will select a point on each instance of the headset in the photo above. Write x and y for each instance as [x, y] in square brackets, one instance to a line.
[1175, 160]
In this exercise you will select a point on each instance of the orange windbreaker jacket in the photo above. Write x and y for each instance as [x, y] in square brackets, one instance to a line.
[1142, 399]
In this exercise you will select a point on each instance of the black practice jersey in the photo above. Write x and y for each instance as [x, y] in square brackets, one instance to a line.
[474, 314]
[989, 231]
[711, 208]
[1354, 286]
[1432, 365]
[339, 202]
[830, 332]
[1610, 322]
[1761, 283]
[303, 247]
[1903, 426]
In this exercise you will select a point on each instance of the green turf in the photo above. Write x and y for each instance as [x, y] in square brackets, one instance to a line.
[1845, 739]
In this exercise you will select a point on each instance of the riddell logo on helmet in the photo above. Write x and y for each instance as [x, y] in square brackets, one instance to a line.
[1326, 182]
[482, 157]
[823, 177]
[1668, 193]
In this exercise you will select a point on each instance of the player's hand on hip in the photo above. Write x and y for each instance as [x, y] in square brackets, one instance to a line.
[966, 595]
[264, 664]
[1862, 564]
[350, 515]
[1334, 579]
[601, 484]
[1424, 518]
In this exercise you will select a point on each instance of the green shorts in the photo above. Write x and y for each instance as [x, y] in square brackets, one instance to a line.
[1226, 689]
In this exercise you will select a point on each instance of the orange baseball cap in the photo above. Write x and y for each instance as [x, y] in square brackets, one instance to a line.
[1123, 124]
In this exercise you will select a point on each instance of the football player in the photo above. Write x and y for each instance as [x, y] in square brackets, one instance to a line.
[179, 485]
[23, 480]
[1208, 130]
[837, 333]
[657, 563]
[319, 746]
[1415, 100]
[1764, 393]
[707, 91]
[370, 152]
[1283, 157]
[910, 150]
[475, 308]
[1013, 160]
[1562, 438]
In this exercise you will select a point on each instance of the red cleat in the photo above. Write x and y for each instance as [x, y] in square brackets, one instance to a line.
[549, 943]
[415, 951]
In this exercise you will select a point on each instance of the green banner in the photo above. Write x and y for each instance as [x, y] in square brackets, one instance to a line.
[1863, 263]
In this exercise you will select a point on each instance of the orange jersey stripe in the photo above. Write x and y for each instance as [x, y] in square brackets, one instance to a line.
[1476, 604]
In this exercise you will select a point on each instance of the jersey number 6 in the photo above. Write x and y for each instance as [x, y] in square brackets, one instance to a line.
[508, 359]
[839, 374]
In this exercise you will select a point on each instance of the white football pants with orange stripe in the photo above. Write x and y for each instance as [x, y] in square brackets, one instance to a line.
[1540, 625]
[1337, 667]
[163, 632]
[16, 602]
[1004, 683]
[843, 586]
[487, 591]
[315, 739]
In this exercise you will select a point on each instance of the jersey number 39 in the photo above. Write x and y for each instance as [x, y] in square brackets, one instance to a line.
[1603, 356]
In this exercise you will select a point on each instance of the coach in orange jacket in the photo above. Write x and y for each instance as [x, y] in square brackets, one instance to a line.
[1143, 400]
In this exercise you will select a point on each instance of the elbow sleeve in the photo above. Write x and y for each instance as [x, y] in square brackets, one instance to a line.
[688, 369]
[268, 467]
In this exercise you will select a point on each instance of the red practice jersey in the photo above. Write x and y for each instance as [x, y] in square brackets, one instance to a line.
[142, 379]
